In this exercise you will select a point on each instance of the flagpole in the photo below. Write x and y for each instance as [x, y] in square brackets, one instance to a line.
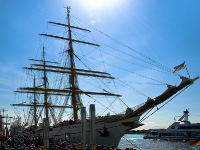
[187, 71]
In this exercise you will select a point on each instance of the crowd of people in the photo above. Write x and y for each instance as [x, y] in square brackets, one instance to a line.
[22, 142]
[36, 143]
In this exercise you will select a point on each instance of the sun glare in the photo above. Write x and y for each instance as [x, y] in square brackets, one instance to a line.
[98, 9]
[99, 4]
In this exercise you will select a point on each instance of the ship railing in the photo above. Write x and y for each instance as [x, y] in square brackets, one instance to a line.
[134, 108]
[67, 123]
[111, 118]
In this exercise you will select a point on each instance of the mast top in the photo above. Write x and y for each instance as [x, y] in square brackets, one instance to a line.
[68, 9]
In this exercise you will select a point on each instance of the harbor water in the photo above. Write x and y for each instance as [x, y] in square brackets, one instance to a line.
[137, 142]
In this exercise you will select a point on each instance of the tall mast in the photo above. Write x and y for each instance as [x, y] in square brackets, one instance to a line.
[34, 105]
[45, 85]
[72, 66]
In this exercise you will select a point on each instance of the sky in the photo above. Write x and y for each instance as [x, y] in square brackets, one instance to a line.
[166, 30]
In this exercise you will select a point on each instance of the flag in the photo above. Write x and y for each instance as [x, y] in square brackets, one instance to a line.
[195, 143]
[179, 67]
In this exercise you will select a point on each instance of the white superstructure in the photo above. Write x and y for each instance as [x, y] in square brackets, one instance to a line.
[180, 130]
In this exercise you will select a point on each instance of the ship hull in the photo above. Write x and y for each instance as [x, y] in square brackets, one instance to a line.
[115, 130]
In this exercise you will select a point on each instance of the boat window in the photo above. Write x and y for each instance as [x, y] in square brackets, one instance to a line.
[189, 127]
[168, 134]
[180, 134]
[173, 127]
[197, 133]
[195, 127]
[154, 133]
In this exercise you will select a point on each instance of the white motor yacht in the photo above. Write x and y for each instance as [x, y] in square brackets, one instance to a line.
[179, 130]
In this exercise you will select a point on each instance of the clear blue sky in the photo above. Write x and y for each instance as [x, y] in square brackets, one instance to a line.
[166, 30]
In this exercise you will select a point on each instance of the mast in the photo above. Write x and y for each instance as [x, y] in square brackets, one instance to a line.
[73, 71]
[72, 65]
[45, 85]
[34, 105]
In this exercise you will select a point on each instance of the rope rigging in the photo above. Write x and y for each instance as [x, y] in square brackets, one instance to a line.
[129, 71]
[132, 62]
[122, 44]
[169, 70]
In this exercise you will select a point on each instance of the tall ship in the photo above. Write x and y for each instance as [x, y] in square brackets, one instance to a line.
[182, 129]
[57, 90]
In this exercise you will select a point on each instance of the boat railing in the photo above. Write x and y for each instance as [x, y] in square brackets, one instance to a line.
[111, 118]
[67, 122]
[133, 109]
[138, 106]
